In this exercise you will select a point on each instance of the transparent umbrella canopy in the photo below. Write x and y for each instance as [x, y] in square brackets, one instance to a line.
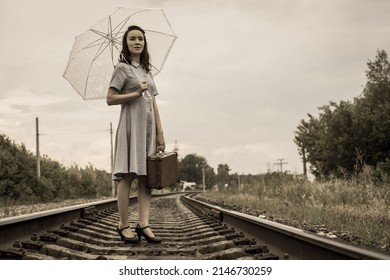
[96, 51]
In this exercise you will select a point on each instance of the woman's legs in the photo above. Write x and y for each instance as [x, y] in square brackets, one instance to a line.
[144, 201]
[123, 194]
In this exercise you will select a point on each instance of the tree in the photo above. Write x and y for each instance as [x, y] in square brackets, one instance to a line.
[223, 174]
[301, 138]
[347, 135]
[19, 183]
[191, 170]
[373, 111]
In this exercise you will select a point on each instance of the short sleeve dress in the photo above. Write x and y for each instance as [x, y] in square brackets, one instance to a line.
[136, 133]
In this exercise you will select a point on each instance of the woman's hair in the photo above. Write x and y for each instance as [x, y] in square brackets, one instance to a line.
[125, 55]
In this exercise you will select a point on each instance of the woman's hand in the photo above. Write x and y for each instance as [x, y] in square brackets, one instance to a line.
[143, 86]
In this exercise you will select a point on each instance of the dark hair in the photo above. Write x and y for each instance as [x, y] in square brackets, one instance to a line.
[125, 53]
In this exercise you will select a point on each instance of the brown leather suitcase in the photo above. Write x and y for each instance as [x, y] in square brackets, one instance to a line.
[162, 170]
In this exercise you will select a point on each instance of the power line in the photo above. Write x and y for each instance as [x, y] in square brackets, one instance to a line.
[37, 134]
[280, 163]
[37, 151]
[74, 132]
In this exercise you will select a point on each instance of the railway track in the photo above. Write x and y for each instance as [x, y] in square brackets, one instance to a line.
[190, 229]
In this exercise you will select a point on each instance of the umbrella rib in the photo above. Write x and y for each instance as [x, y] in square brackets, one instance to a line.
[165, 16]
[110, 33]
[92, 46]
[167, 53]
[108, 44]
[97, 42]
[98, 53]
[104, 38]
[165, 58]
[115, 40]
[163, 33]
[124, 21]
[98, 32]
[105, 43]
[121, 24]
[84, 48]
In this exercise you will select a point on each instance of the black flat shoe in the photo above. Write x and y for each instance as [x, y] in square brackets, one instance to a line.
[140, 232]
[133, 240]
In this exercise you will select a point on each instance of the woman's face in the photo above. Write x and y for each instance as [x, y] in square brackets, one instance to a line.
[135, 42]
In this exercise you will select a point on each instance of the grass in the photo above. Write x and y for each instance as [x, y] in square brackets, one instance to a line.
[10, 210]
[356, 206]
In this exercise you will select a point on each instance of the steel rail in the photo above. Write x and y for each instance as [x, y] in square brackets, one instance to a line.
[186, 232]
[297, 243]
[22, 226]
[282, 240]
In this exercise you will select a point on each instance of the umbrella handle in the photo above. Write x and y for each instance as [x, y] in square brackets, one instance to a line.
[146, 95]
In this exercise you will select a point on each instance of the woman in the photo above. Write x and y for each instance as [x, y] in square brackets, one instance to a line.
[139, 130]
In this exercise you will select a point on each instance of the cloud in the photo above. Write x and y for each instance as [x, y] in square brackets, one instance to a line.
[245, 158]
[238, 80]
[22, 108]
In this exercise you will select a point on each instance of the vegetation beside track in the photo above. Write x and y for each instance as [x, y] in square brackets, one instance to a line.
[355, 208]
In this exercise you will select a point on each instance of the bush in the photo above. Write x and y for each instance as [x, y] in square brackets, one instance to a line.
[20, 185]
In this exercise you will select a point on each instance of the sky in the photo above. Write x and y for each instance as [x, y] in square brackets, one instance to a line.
[238, 80]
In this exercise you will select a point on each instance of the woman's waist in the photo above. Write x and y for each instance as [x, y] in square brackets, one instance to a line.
[138, 107]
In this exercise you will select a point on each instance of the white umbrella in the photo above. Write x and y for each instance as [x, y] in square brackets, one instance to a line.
[96, 51]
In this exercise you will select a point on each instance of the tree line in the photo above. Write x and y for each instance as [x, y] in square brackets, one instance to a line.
[348, 136]
[19, 182]
[193, 168]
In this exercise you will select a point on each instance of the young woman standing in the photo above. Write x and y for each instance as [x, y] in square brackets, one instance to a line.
[139, 133]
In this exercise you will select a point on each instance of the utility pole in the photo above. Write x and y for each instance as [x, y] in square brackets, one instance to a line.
[204, 179]
[281, 163]
[112, 162]
[37, 142]
[304, 162]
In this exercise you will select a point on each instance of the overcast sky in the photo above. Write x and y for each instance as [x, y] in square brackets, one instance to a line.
[240, 77]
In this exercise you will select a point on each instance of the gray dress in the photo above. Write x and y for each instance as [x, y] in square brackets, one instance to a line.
[136, 132]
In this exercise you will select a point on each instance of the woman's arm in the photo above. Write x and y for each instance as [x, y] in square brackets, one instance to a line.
[115, 98]
[159, 129]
